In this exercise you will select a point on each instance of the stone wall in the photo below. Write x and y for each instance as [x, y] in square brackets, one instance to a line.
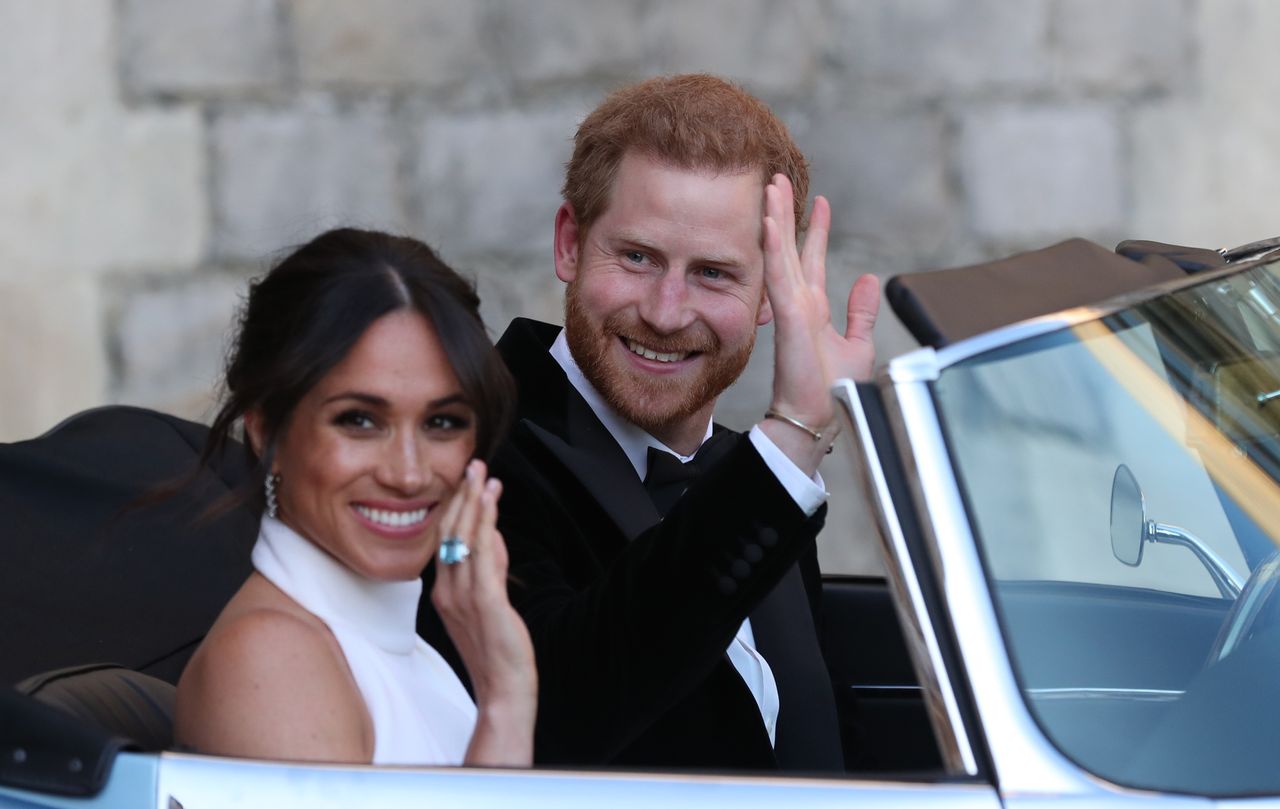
[154, 154]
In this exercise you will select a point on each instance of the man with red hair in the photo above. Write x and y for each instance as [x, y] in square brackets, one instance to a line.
[656, 558]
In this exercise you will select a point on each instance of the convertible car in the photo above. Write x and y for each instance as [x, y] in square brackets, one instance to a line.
[1076, 484]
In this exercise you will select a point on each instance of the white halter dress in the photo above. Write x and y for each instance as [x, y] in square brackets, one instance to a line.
[421, 713]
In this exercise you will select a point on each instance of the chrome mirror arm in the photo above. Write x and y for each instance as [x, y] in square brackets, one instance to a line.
[1228, 581]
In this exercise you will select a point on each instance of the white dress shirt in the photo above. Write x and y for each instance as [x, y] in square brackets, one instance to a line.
[807, 492]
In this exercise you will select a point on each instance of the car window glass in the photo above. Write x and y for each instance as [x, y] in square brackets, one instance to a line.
[1039, 435]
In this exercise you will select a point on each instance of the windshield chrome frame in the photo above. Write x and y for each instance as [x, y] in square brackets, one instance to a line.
[1023, 759]
[954, 738]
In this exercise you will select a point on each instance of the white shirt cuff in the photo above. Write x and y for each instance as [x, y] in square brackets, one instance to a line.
[808, 493]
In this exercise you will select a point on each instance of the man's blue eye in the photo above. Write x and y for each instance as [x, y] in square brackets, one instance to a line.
[635, 256]
[712, 273]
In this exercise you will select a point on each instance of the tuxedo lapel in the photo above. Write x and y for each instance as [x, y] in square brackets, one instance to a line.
[597, 462]
[558, 417]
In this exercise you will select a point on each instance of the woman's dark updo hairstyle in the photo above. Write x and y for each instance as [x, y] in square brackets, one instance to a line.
[305, 315]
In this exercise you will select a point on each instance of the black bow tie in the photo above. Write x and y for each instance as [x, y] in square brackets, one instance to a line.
[667, 477]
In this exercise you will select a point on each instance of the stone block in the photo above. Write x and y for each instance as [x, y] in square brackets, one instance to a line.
[41, 198]
[427, 43]
[1205, 163]
[1234, 40]
[1172, 168]
[280, 176]
[556, 40]
[52, 358]
[152, 209]
[170, 342]
[491, 181]
[200, 48]
[772, 48]
[1132, 46]
[105, 189]
[884, 171]
[1034, 173]
[935, 46]
[57, 57]
[1209, 187]
[513, 285]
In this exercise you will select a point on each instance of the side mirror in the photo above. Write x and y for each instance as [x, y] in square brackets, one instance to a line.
[1128, 517]
[1131, 530]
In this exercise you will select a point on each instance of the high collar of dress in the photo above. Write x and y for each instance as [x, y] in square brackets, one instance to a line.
[635, 442]
[384, 611]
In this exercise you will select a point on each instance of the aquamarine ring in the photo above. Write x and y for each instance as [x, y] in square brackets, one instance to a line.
[453, 550]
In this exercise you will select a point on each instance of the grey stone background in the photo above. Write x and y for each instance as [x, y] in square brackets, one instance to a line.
[154, 154]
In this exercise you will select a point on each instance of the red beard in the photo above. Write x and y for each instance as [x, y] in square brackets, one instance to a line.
[652, 402]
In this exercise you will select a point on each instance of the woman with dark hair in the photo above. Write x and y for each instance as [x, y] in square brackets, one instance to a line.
[369, 393]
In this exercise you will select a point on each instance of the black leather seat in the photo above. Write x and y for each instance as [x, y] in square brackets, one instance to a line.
[122, 702]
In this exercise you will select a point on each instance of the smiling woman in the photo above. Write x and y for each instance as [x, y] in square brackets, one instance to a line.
[373, 449]
[368, 391]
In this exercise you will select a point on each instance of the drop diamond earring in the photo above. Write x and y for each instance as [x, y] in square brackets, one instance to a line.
[273, 506]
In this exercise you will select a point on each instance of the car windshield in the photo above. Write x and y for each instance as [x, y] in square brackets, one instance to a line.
[1121, 477]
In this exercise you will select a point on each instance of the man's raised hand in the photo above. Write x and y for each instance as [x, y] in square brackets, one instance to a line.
[809, 354]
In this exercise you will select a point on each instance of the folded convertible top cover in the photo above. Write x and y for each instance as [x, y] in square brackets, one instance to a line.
[940, 307]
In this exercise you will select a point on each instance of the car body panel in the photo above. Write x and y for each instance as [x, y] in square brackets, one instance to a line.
[172, 780]
[132, 783]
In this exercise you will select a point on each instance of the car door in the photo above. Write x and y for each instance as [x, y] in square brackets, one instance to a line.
[1095, 672]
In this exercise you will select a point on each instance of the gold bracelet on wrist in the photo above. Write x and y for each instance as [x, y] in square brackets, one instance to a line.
[774, 414]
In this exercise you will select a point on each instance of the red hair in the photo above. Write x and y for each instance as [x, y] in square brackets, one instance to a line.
[692, 121]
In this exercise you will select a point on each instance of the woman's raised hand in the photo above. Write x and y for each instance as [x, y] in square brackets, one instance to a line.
[471, 597]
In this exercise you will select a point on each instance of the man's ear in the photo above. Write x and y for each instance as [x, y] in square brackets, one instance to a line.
[566, 244]
[253, 431]
[765, 313]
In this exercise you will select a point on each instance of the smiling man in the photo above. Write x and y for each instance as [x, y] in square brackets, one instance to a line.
[656, 558]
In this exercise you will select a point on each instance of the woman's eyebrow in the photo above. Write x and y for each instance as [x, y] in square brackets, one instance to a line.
[453, 398]
[367, 398]
[377, 401]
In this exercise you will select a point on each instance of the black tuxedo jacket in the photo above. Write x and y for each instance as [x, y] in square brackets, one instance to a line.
[631, 614]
